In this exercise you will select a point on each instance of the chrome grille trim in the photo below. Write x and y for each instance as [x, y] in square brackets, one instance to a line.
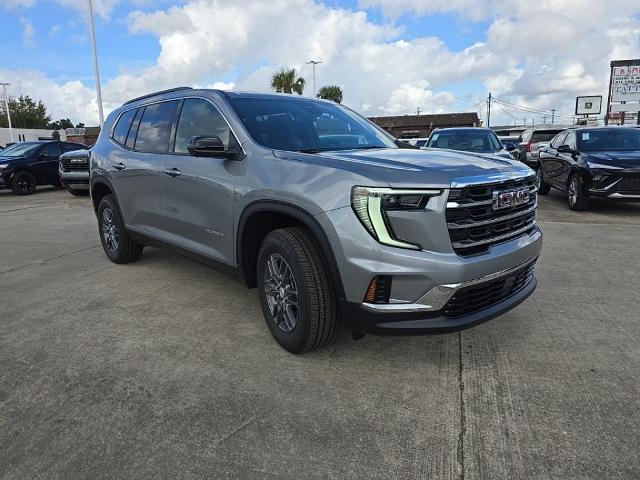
[522, 213]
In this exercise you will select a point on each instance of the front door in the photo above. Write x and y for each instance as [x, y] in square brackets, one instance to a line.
[198, 191]
[46, 167]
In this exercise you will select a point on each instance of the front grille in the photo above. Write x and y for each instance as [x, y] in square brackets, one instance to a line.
[478, 297]
[74, 167]
[629, 184]
[474, 225]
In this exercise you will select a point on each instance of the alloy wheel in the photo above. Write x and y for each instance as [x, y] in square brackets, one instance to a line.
[109, 230]
[281, 292]
[573, 191]
[24, 183]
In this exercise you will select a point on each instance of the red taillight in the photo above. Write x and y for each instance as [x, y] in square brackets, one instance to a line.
[528, 146]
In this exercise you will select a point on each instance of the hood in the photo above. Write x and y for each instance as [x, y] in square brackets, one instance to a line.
[613, 158]
[434, 167]
[10, 159]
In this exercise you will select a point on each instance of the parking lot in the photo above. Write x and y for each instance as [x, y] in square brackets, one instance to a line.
[165, 368]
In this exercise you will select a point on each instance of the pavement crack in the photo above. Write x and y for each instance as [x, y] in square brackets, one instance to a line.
[243, 425]
[45, 260]
[463, 414]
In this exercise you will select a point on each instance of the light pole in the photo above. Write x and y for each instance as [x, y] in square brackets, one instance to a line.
[6, 105]
[314, 63]
[95, 63]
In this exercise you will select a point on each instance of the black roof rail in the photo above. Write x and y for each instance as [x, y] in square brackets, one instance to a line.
[161, 92]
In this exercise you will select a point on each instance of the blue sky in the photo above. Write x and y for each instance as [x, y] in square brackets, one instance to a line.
[389, 56]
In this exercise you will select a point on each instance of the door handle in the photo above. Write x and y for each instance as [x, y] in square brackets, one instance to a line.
[173, 172]
[119, 166]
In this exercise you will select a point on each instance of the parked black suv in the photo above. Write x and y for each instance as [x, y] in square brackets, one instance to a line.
[592, 162]
[25, 165]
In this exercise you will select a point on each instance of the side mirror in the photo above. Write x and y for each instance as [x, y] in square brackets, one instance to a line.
[509, 146]
[565, 149]
[209, 147]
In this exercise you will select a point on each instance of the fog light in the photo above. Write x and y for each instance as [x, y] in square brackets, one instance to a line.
[379, 290]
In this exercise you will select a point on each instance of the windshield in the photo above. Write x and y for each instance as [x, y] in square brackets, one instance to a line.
[19, 149]
[467, 140]
[609, 139]
[544, 135]
[306, 125]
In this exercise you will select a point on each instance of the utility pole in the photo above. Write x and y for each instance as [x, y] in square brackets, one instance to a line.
[314, 63]
[418, 111]
[6, 105]
[489, 110]
[525, 122]
[553, 115]
[544, 119]
[95, 63]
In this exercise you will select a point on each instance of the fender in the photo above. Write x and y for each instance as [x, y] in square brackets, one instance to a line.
[303, 217]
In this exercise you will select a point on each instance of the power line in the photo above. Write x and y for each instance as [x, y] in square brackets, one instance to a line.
[532, 110]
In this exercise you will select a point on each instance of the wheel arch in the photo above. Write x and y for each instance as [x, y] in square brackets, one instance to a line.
[260, 218]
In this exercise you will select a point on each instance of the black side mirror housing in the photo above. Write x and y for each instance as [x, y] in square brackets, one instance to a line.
[565, 149]
[209, 147]
[509, 146]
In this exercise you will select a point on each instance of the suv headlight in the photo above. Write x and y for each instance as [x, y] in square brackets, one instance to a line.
[3, 165]
[371, 203]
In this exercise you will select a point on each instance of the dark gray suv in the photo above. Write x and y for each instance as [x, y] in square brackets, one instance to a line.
[322, 211]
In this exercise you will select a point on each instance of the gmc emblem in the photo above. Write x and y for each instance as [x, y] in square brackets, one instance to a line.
[511, 198]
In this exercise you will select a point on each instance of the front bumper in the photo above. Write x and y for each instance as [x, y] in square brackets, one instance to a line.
[78, 180]
[616, 185]
[360, 319]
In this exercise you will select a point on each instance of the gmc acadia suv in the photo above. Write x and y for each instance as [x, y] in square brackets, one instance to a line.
[322, 211]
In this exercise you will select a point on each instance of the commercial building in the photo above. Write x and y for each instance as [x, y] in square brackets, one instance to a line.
[421, 126]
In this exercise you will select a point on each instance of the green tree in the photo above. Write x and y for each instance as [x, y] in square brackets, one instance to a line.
[26, 113]
[61, 124]
[284, 80]
[331, 92]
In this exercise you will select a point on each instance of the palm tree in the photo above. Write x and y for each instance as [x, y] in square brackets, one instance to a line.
[284, 80]
[331, 92]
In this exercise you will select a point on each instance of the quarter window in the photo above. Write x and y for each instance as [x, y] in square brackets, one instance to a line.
[200, 118]
[154, 131]
[122, 126]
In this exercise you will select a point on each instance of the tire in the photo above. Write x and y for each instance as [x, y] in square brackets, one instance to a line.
[577, 197]
[117, 244]
[78, 193]
[311, 322]
[543, 187]
[23, 183]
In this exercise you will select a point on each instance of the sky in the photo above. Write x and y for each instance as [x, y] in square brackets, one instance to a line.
[390, 57]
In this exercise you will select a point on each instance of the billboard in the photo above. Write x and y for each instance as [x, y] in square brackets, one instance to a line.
[623, 100]
[589, 105]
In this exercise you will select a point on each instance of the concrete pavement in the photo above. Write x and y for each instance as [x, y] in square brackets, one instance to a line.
[164, 368]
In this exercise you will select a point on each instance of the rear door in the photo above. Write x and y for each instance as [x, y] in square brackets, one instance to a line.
[46, 166]
[137, 168]
[567, 159]
[198, 191]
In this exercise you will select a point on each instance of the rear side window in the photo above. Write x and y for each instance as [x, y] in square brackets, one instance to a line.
[51, 149]
[200, 118]
[121, 129]
[131, 138]
[70, 147]
[154, 131]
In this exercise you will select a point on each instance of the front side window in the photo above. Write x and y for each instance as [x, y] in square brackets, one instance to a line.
[306, 125]
[571, 140]
[154, 131]
[200, 118]
[558, 140]
[20, 149]
[121, 129]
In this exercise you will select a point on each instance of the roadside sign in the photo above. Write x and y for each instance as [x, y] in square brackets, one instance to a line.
[624, 91]
[589, 105]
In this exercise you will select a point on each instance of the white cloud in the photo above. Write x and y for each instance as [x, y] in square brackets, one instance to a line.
[540, 58]
[54, 30]
[28, 33]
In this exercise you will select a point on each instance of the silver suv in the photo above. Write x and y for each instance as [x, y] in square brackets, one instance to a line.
[326, 214]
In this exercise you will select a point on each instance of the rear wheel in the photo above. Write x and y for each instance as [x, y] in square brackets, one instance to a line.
[24, 183]
[296, 294]
[543, 187]
[577, 197]
[117, 244]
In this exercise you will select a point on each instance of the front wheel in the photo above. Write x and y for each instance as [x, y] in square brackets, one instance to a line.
[296, 293]
[117, 244]
[577, 197]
